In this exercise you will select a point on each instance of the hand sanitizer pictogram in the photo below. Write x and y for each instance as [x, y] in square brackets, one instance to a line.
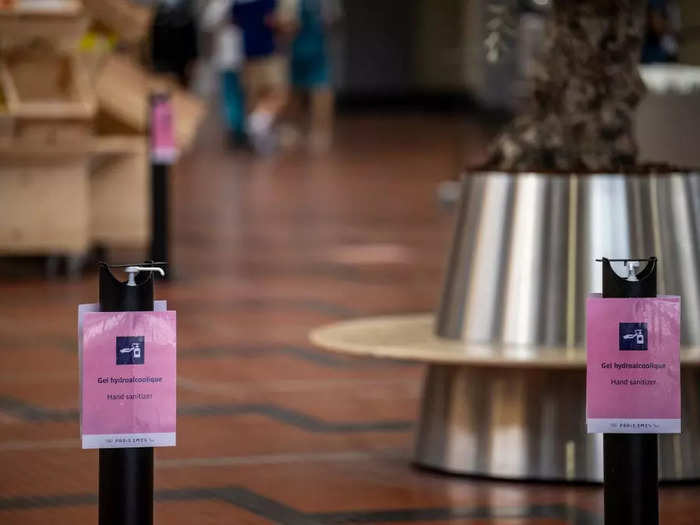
[637, 334]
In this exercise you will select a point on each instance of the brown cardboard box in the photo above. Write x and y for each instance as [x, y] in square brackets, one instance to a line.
[7, 127]
[120, 203]
[62, 199]
[48, 96]
[44, 202]
[128, 19]
[39, 83]
[23, 22]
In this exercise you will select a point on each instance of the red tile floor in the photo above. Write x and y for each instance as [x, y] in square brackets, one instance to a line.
[270, 429]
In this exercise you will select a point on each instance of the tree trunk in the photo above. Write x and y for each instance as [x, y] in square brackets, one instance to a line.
[587, 86]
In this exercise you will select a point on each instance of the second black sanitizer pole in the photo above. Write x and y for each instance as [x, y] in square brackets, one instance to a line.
[126, 474]
[631, 464]
[160, 213]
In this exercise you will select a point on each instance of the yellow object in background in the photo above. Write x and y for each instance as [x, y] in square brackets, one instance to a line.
[97, 41]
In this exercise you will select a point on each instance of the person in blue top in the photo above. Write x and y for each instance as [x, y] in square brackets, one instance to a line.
[265, 71]
[310, 66]
[255, 18]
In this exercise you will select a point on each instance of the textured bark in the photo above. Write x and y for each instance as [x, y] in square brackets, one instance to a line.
[587, 86]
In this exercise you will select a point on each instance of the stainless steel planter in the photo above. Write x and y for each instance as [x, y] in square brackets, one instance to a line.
[529, 423]
[522, 259]
[521, 266]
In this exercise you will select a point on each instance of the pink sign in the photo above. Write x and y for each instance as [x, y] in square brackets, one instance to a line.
[633, 365]
[128, 378]
[163, 149]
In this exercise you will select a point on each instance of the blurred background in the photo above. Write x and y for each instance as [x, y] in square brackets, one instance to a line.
[295, 162]
[78, 77]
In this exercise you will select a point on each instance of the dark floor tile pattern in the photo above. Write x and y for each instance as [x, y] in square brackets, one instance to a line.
[30, 413]
[280, 513]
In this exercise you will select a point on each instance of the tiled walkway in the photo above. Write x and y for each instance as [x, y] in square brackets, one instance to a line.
[271, 430]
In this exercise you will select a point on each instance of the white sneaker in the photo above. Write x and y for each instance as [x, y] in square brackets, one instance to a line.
[262, 136]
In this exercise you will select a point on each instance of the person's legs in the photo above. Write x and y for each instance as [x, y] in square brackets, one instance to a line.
[322, 117]
[233, 104]
[276, 84]
[296, 108]
[321, 105]
[267, 77]
[311, 74]
[292, 120]
[251, 84]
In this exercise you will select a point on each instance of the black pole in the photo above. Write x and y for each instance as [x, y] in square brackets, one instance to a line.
[160, 168]
[159, 205]
[631, 464]
[126, 474]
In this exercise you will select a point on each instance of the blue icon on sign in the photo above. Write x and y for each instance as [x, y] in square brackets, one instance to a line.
[633, 336]
[131, 350]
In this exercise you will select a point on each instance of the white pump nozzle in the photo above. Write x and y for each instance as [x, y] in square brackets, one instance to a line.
[631, 274]
[133, 270]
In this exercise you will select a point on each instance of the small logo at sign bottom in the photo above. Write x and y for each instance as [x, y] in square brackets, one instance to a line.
[633, 336]
[131, 350]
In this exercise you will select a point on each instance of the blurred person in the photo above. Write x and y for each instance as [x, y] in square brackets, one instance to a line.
[228, 59]
[660, 41]
[310, 68]
[265, 71]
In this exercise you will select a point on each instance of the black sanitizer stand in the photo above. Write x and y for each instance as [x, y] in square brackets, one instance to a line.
[160, 230]
[631, 464]
[126, 474]
[160, 171]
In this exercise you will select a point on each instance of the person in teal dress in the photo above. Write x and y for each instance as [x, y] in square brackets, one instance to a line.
[310, 66]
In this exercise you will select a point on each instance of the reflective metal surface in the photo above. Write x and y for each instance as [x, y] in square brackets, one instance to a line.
[522, 260]
[521, 266]
[530, 424]
[507, 423]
